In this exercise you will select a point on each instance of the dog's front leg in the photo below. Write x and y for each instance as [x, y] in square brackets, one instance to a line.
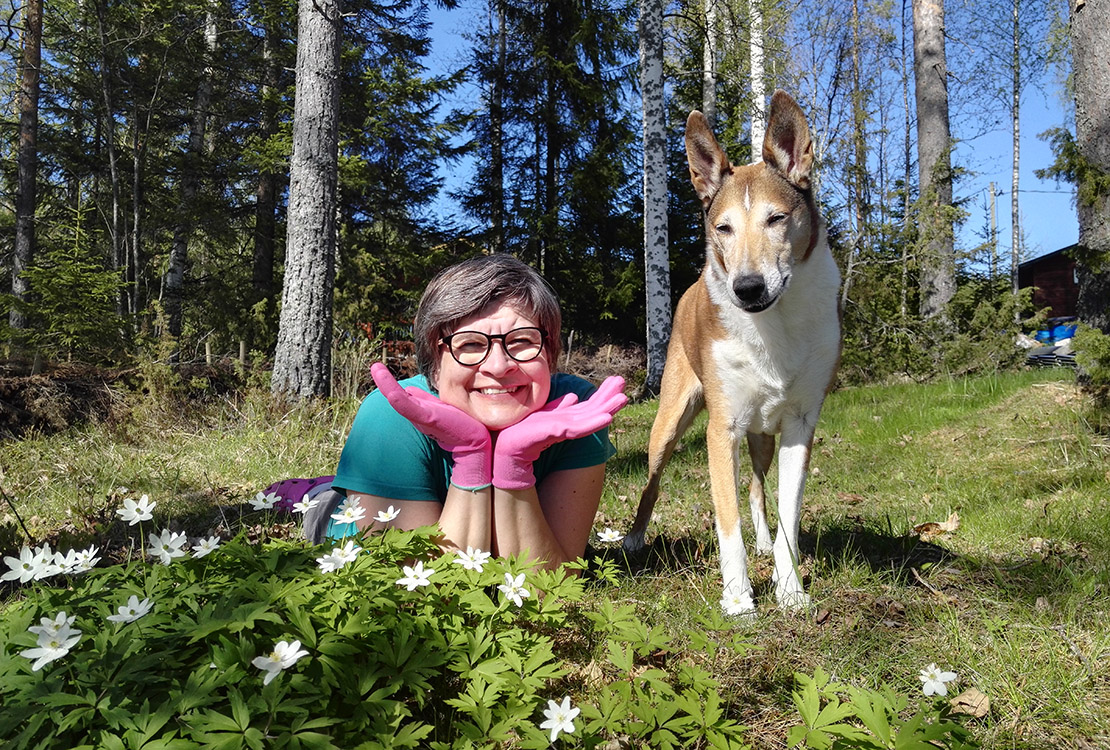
[794, 450]
[723, 445]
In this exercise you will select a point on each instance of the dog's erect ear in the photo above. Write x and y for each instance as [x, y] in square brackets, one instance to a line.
[708, 161]
[787, 146]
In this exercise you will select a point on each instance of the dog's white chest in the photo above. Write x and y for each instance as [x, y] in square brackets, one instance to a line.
[782, 367]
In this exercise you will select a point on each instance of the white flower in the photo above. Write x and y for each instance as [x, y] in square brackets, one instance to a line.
[560, 717]
[61, 624]
[513, 588]
[734, 603]
[349, 512]
[264, 502]
[387, 515]
[415, 576]
[86, 560]
[133, 512]
[133, 610]
[46, 565]
[610, 535]
[22, 568]
[472, 559]
[338, 557]
[167, 546]
[933, 679]
[348, 552]
[282, 657]
[204, 546]
[51, 647]
[305, 504]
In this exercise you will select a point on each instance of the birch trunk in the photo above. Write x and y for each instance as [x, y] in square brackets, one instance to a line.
[756, 73]
[302, 362]
[709, 64]
[657, 270]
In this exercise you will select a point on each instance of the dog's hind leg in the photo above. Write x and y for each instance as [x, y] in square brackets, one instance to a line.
[680, 400]
[761, 448]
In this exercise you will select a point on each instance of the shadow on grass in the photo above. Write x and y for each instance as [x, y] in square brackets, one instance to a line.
[837, 546]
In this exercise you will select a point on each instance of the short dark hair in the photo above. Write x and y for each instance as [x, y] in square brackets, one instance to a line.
[461, 290]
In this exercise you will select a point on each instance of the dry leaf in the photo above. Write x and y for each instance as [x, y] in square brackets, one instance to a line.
[932, 529]
[823, 616]
[972, 703]
[850, 498]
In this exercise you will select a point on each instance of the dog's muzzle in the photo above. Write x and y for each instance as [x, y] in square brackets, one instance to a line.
[751, 293]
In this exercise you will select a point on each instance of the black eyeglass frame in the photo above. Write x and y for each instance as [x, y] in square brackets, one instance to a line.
[490, 338]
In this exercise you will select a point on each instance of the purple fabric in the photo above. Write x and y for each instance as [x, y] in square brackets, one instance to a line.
[293, 490]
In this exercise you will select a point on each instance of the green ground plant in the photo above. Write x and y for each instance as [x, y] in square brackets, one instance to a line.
[961, 524]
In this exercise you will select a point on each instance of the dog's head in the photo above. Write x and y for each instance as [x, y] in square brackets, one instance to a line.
[760, 219]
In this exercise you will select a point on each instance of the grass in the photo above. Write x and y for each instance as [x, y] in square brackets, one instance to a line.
[1015, 599]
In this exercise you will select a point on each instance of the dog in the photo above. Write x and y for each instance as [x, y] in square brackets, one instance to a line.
[755, 341]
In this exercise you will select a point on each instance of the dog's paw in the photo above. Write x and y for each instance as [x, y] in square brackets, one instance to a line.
[792, 599]
[764, 546]
[738, 604]
[633, 542]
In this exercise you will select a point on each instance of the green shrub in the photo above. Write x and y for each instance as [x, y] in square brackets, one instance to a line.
[1092, 354]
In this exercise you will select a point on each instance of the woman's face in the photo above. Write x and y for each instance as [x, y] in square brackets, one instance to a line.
[500, 391]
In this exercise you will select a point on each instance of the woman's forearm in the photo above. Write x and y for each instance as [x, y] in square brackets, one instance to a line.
[520, 527]
[467, 519]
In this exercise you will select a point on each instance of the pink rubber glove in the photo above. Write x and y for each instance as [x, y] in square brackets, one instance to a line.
[458, 433]
[519, 445]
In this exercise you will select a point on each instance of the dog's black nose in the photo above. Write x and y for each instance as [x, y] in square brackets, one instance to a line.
[749, 288]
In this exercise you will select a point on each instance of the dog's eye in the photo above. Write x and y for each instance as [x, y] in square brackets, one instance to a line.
[724, 229]
[776, 219]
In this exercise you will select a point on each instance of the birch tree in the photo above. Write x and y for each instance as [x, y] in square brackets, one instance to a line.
[756, 77]
[302, 362]
[656, 258]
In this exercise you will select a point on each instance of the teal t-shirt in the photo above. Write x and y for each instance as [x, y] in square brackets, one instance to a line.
[385, 455]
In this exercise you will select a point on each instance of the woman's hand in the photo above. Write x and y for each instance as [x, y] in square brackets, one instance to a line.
[465, 438]
[519, 445]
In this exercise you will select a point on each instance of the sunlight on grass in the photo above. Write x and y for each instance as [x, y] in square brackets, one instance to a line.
[1015, 598]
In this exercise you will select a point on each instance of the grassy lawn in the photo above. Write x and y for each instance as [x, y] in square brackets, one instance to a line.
[1014, 598]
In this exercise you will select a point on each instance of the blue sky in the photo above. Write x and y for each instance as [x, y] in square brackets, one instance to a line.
[1048, 209]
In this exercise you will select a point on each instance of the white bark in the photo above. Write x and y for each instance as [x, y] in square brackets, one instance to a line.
[709, 64]
[657, 268]
[758, 87]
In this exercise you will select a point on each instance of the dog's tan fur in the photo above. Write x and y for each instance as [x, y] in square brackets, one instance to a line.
[756, 341]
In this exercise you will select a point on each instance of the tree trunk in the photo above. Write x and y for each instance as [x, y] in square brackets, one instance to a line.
[938, 262]
[27, 159]
[115, 229]
[656, 258]
[759, 90]
[174, 279]
[496, 140]
[1090, 38]
[265, 203]
[709, 64]
[1016, 249]
[302, 362]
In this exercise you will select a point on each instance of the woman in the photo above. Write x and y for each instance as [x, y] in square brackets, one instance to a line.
[505, 454]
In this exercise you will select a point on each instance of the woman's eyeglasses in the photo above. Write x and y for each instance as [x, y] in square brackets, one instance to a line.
[470, 348]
